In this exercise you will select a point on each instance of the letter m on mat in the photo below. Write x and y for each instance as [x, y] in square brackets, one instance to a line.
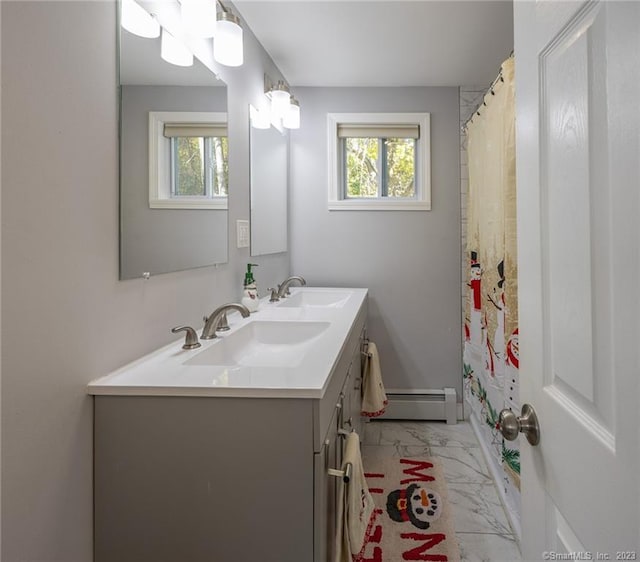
[414, 471]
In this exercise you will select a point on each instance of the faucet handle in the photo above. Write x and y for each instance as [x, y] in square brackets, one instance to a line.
[274, 294]
[191, 338]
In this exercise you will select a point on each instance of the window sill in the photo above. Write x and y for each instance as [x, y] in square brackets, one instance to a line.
[378, 205]
[188, 204]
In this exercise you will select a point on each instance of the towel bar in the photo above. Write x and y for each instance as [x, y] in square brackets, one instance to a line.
[365, 346]
[344, 474]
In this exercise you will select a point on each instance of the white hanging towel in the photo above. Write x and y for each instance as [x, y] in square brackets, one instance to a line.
[355, 505]
[374, 399]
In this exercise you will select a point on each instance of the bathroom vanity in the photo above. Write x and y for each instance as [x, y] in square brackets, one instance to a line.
[221, 453]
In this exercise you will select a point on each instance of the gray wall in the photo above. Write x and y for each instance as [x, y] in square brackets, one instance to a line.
[66, 318]
[163, 240]
[410, 260]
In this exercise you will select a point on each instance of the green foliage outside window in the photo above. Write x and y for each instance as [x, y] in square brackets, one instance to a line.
[367, 160]
[362, 167]
[400, 167]
[201, 166]
[189, 166]
[219, 163]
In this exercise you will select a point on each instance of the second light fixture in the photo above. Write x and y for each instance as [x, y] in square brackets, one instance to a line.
[285, 109]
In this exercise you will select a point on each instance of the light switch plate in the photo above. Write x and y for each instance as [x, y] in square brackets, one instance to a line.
[242, 229]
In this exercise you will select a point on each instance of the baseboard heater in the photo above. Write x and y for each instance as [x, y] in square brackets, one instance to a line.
[432, 404]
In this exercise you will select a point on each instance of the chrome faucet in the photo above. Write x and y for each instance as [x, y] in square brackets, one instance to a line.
[218, 319]
[283, 288]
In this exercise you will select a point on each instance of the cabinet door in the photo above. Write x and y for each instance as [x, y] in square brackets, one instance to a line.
[326, 493]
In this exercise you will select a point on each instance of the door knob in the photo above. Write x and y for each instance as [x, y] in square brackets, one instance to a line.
[527, 423]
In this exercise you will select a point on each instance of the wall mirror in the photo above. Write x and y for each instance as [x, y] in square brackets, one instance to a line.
[177, 232]
[269, 161]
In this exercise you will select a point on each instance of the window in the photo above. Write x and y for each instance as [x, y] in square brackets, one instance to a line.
[379, 161]
[188, 160]
[198, 159]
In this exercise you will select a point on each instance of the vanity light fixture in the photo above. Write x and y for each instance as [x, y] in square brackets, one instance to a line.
[285, 109]
[291, 120]
[135, 19]
[280, 96]
[227, 45]
[199, 17]
[173, 50]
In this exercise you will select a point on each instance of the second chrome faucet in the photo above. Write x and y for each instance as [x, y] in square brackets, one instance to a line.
[283, 288]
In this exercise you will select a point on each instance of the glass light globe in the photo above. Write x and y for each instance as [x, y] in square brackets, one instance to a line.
[280, 97]
[136, 20]
[291, 120]
[173, 51]
[227, 45]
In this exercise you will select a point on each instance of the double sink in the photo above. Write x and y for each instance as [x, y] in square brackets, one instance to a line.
[284, 349]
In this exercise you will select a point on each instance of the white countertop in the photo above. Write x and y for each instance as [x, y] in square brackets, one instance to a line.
[164, 372]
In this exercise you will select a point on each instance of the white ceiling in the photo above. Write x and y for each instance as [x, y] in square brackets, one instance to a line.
[383, 43]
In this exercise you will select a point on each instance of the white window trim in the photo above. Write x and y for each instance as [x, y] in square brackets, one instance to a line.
[160, 163]
[422, 202]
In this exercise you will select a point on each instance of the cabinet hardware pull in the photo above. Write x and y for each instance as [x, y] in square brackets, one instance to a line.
[344, 474]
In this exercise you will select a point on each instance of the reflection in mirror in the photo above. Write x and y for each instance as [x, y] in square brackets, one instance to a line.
[269, 151]
[183, 170]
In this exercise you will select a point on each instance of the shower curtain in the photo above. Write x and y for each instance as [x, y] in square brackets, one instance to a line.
[491, 315]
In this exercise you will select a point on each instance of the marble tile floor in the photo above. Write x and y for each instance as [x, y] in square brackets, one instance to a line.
[482, 528]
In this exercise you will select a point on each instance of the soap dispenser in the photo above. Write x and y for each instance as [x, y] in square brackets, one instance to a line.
[250, 293]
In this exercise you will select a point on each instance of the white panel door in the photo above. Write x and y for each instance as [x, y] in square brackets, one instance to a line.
[578, 181]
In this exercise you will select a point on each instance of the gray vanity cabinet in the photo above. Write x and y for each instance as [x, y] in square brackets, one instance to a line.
[213, 479]
[345, 416]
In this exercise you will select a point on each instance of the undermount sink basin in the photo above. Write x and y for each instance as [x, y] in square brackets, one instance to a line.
[328, 299]
[262, 344]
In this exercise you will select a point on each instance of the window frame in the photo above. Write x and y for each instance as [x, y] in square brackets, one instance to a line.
[160, 162]
[337, 199]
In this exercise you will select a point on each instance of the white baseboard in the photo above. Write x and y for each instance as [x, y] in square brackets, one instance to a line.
[427, 404]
